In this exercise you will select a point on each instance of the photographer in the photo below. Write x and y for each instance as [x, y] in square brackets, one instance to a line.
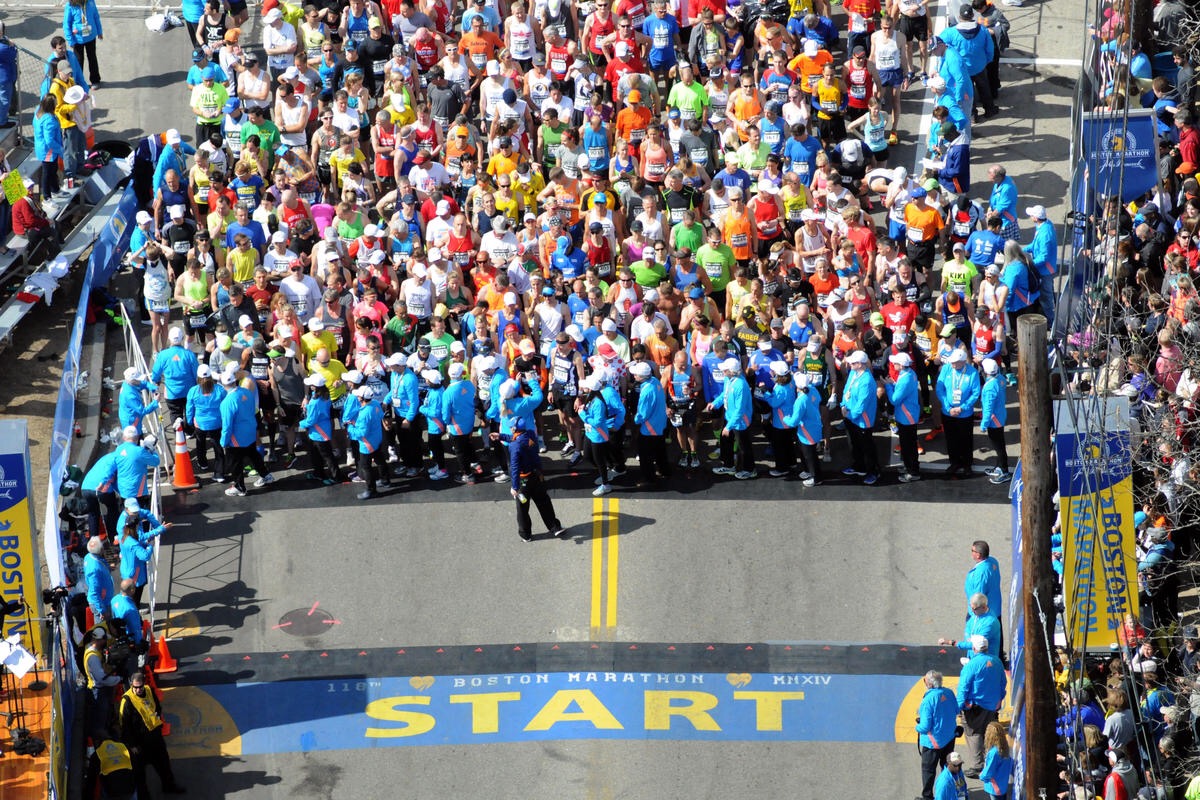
[99, 682]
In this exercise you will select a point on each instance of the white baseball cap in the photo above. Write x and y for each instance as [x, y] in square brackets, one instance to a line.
[315, 325]
[175, 336]
[175, 211]
[779, 368]
[244, 321]
[278, 236]
[957, 357]
[443, 207]
[731, 365]
[456, 371]
[857, 357]
[640, 369]
[316, 379]
[173, 137]
[990, 367]
[901, 359]
[433, 254]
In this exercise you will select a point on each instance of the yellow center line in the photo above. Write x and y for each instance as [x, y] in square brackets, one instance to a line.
[614, 514]
[597, 564]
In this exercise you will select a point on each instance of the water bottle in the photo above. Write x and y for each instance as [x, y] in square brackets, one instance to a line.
[521, 498]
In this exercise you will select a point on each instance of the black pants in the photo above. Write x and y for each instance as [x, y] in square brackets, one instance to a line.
[745, 450]
[239, 457]
[812, 461]
[959, 445]
[409, 440]
[983, 91]
[652, 457]
[177, 407]
[534, 488]
[996, 437]
[203, 439]
[598, 454]
[908, 448]
[464, 448]
[993, 73]
[111, 511]
[371, 466]
[616, 448]
[437, 446]
[862, 449]
[323, 463]
[152, 752]
[783, 443]
[89, 49]
[931, 761]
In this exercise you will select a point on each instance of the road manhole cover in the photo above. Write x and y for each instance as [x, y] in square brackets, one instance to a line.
[306, 622]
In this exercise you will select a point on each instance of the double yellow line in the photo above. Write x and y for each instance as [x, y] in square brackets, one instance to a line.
[604, 593]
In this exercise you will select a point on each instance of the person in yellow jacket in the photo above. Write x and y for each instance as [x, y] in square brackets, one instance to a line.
[73, 141]
[141, 723]
[111, 766]
[99, 681]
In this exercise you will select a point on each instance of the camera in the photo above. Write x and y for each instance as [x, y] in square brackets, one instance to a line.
[55, 595]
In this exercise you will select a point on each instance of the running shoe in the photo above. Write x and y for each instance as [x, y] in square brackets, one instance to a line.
[745, 475]
[683, 461]
[933, 434]
[871, 480]
[575, 458]
[264, 480]
[439, 475]
[695, 459]
[778, 473]
[233, 491]
[908, 477]
[851, 472]
[602, 490]
[723, 471]
[568, 448]
[999, 478]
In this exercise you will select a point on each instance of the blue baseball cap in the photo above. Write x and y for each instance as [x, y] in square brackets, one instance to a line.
[562, 243]
[674, 113]
[919, 192]
[600, 197]
[197, 56]
[209, 73]
[696, 293]
[233, 105]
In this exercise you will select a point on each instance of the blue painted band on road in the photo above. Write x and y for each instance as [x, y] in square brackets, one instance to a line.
[302, 716]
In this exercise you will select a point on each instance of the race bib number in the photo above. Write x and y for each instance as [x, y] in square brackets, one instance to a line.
[740, 240]
[961, 229]
[479, 59]
[858, 92]
[858, 23]
[657, 168]
[772, 137]
[197, 319]
[915, 235]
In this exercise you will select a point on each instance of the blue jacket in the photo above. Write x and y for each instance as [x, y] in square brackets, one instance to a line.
[905, 397]
[984, 579]
[959, 94]
[175, 368]
[937, 718]
[958, 389]
[81, 25]
[318, 420]
[1044, 248]
[124, 609]
[404, 396]
[130, 408]
[975, 45]
[982, 682]
[8, 61]
[859, 400]
[1022, 292]
[615, 406]
[192, 10]
[494, 402]
[239, 425]
[736, 399]
[782, 399]
[168, 159]
[523, 457]
[76, 70]
[1089, 714]
[98, 579]
[432, 409]
[132, 462]
[950, 785]
[367, 427]
[458, 407]
[956, 166]
[350, 408]
[984, 625]
[805, 416]
[651, 414]
[202, 410]
[595, 420]
[1003, 201]
[47, 137]
[102, 477]
[136, 551]
[523, 406]
[995, 412]
[997, 772]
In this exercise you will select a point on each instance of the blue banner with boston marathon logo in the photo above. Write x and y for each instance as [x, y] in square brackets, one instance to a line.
[1121, 154]
[1016, 646]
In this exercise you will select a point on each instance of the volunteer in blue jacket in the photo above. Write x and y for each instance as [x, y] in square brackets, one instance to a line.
[976, 46]
[458, 412]
[367, 429]
[958, 392]
[99, 490]
[951, 784]
[607, 381]
[781, 400]
[528, 484]
[984, 577]
[1043, 251]
[936, 721]
[959, 95]
[318, 424]
[202, 413]
[995, 414]
[980, 622]
[175, 370]
[651, 419]
[904, 393]
[239, 434]
[125, 614]
[593, 411]
[736, 401]
[97, 578]
[404, 397]
[133, 463]
[982, 685]
[805, 418]
[82, 27]
[859, 405]
[435, 426]
[137, 528]
[131, 408]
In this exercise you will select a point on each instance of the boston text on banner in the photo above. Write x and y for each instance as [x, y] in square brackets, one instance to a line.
[20, 570]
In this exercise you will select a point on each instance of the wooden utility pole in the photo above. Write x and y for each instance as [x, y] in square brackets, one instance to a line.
[1041, 771]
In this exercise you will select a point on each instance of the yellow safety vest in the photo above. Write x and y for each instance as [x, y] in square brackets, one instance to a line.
[113, 756]
[92, 651]
[144, 707]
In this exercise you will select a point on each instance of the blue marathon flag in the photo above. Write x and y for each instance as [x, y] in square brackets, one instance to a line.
[1121, 153]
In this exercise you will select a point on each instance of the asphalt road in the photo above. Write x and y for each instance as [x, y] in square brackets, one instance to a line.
[643, 657]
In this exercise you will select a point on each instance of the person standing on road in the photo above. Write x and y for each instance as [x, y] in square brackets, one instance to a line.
[979, 622]
[735, 398]
[936, 723]
[651, 418]
[905, 396]
[958, 391]
[82, 27]
[366, 428]
[137, 528]
[594, 413]
[995, 414]
[133, 462]
[805, 418]
[859, 403]
[141, 721]
[97, 578]
[982, 685]
[951, 785]
[239, 434]
[1043, 251]
[175, 370]
[98, 489]
[130, 407]
[528, 483]
[984, 578]
[318, 424]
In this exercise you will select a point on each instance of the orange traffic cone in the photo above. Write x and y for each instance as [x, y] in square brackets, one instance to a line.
[185, 476]
[162, 656]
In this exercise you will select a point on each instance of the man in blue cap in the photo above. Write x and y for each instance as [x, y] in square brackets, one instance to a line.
[528, 484]
[207, 103]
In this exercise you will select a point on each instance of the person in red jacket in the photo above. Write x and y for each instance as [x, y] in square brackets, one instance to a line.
[30, 221]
